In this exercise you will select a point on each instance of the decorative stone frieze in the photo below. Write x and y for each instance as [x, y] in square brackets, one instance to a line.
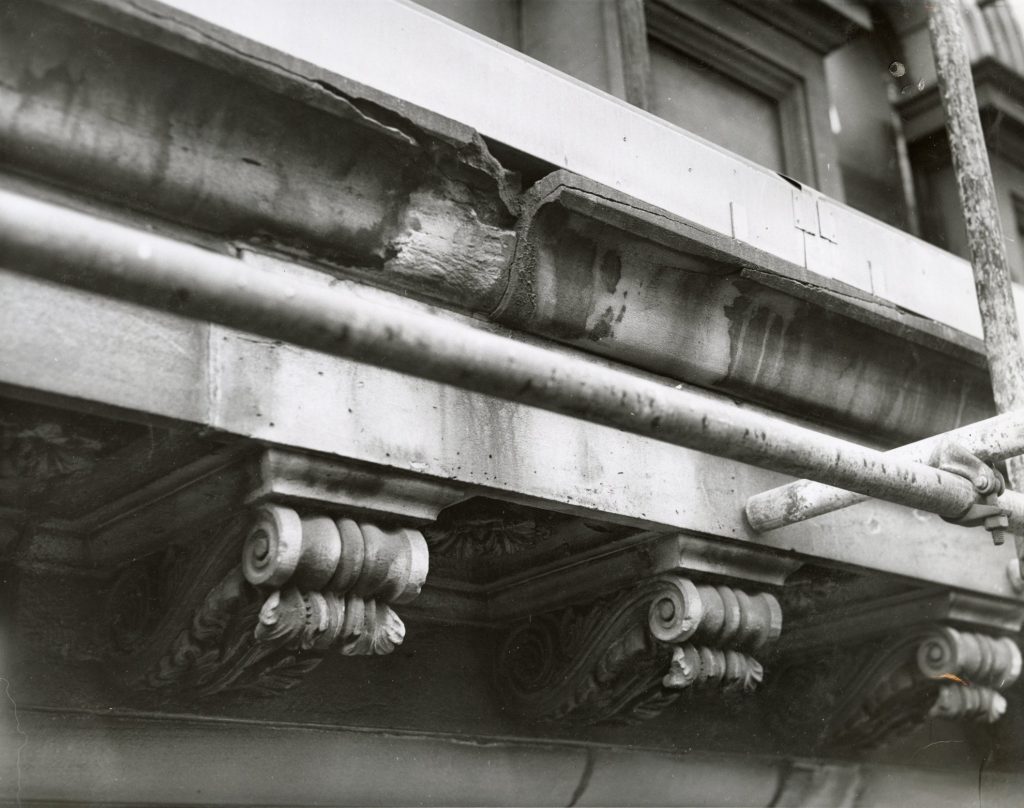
[936, 672]
[305, 585]
[484, 537]
[631, 655]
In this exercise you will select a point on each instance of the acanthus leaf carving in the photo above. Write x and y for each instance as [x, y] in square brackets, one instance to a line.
[933, 672]
[694, 666]
[306, 585]
[959, 702]
[629, 656]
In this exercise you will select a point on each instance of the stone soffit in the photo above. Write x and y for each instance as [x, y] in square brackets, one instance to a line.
[236, 566]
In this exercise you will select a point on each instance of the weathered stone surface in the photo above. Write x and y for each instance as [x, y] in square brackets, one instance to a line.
[618, 278]
[305, 170]
[630, 655]
[266, 156]
[859, 669]
[251, 602]
[288, 164]
[277, 394]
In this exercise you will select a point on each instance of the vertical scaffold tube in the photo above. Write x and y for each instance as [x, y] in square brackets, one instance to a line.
[981, 214]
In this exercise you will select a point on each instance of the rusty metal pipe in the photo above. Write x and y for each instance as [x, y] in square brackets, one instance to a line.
[991, 440]
[65, 246]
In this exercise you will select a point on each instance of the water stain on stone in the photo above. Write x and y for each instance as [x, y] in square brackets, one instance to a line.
[603, 328]
[611, 270]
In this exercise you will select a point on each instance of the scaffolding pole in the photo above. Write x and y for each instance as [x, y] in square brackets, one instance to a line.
[991, 440]
[1004, 350]
[978, 200]
[977, 193]
[65, 246]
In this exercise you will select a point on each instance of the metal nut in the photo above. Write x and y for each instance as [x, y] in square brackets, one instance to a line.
[997, 526]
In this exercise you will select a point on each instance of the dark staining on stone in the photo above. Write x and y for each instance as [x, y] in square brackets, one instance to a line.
[603, 328]
[757, 338]
[611, 270]
[731, 333]
[306, 161]
[336, 180]
[388, 252]
[574, 254]
[794, 355]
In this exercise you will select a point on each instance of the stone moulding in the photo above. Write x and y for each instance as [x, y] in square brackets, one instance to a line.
[934, 672]
[306, 585]
[631, 655]
[617, 268]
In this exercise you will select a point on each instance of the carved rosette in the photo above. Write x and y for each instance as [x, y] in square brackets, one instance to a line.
[306, 585]
[939, 672]
[630, 656]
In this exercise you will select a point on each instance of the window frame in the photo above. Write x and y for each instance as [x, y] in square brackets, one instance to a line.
[761, 58]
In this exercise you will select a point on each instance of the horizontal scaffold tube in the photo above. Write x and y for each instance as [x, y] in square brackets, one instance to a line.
[70, 247]
[991, 440]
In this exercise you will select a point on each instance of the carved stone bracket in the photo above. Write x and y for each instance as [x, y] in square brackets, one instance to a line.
[935, 672]
[631, 655]
[305, 585]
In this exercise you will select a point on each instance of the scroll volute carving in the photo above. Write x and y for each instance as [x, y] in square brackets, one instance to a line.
[629, 656]
[936, 672]
[345, 573]
[306, 585]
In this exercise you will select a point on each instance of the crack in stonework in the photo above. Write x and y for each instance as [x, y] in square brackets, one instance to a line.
[320, 84]
[17, 727]
[581, 786]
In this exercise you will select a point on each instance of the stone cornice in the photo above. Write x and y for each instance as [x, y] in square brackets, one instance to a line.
[633, 283]
[382, 193]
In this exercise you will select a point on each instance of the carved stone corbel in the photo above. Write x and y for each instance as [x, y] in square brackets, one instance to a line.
[860, 672]
[629, 656]
[934, 672]
[304, 585]
[246, 579]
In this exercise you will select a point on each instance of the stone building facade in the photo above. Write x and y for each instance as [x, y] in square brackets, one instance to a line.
[282, 524]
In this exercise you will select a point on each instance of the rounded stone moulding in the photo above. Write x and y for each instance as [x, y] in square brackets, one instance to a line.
[320, 553]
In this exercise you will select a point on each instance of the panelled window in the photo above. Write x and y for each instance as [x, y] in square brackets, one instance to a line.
[745, 75]
[709, 103]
